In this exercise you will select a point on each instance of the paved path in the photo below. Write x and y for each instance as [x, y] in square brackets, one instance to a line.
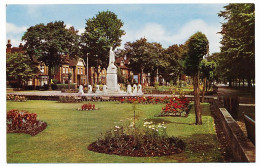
[59, 93]
[245, 96]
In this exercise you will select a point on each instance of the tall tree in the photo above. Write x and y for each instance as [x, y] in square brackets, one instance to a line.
[145, 56]
[206, 68]
[238, 42]
[173, 55]
[101, 32]
[48, 43]
[19, 67]
[196, 47]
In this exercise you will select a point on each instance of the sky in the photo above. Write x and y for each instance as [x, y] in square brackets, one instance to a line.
[167, 24]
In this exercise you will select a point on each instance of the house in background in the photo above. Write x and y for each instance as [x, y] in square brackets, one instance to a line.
[41, 78]
[80, 75]
[75, 66]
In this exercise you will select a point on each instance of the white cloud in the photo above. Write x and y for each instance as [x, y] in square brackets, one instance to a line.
[13, 29]
[14, 33]
[81, 30]
[157, 33]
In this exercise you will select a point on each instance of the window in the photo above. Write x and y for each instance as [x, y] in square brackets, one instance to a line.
[42, 68]
[63, 70]
[81, 70]
[67, 70]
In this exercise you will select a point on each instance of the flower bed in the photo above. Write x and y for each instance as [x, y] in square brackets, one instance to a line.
[149, 100]
[147, 142]
[70, 99]
[86, 107]
[16, 98]
[176, 107]
[19, 121]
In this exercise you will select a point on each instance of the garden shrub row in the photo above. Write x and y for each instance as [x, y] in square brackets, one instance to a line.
[16, 98]
[70, 99]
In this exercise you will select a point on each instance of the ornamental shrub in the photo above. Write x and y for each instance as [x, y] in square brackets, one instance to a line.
[69, 99]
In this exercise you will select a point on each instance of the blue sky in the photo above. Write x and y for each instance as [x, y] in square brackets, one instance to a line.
[165, 23]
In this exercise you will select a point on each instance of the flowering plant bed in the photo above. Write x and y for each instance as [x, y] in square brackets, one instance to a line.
[16, 98]
[86, 107]
[19, 121]
[176, 107]
[148, 100]
[147, 142]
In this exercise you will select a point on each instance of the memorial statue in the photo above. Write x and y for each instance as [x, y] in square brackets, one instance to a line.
[81, 91]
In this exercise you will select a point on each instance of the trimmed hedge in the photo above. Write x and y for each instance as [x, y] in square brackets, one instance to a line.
[65, 86]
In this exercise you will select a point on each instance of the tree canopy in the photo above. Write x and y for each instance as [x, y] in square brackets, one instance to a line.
[238, 42]
[196, 47]
[19, 67]
[145, 56]
[101, 32]
[48, 43]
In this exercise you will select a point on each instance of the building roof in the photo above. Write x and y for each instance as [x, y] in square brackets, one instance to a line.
[120, 59]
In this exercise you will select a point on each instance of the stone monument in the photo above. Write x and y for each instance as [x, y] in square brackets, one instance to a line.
[112, 73]
[89, 89]
[81, 91]
[140, 92]
[104, 90]
[129, 89]
[135, 89]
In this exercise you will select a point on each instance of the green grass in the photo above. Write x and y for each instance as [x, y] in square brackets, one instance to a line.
[69, 132]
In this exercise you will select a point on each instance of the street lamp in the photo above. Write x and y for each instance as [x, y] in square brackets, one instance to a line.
[87, 70]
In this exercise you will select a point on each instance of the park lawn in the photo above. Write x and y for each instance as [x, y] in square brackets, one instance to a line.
[69, 132]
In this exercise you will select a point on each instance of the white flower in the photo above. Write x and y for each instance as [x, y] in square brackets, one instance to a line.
[147, 123]
[117, 127]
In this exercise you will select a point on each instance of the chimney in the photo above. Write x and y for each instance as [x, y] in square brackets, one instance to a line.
[9, 45]
[21, 45]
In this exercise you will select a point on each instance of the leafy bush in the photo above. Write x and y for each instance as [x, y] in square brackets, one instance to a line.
[16, 98]
[156, 85]
[65, 86]
[19, 121]
[54, 86]
[69, 99]
[141, 142]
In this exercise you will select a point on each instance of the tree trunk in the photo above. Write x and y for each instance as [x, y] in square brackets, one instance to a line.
[197, 99]
[203, 92]
[230, 82]
[50, 76]
[207, 82]
[249, 83]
